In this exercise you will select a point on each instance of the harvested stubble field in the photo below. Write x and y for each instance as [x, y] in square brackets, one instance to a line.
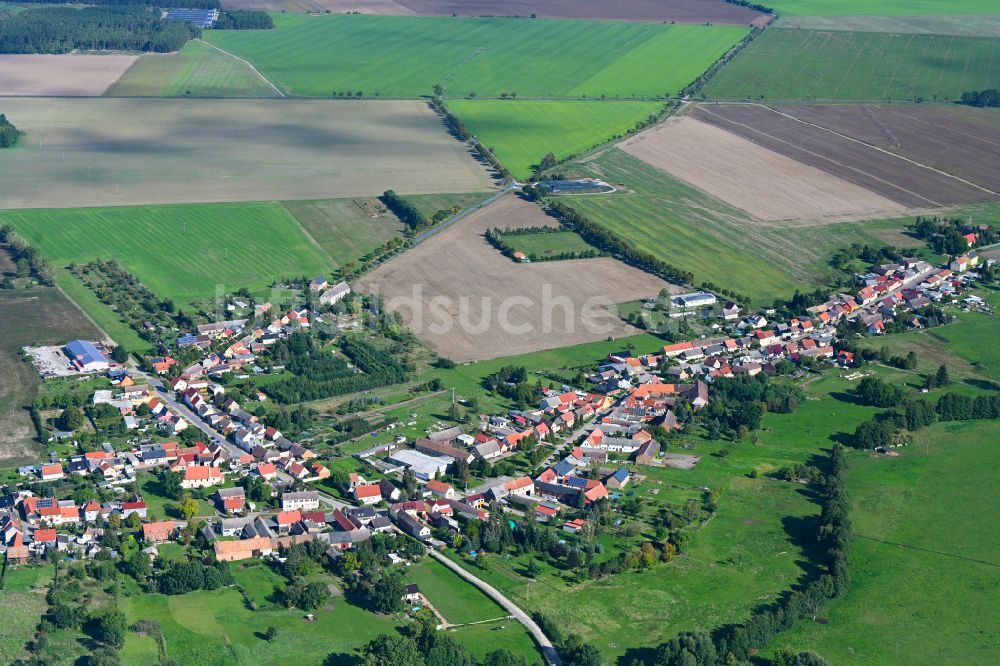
[406, 56]
[766, 184]
[197, 70]
[520, 133]
[961, 141]
[847, 66]
[716, 241]
[681, 11]
[454, 290]
[69, 75]
[911, 176]
[100, 152]
[38, 316]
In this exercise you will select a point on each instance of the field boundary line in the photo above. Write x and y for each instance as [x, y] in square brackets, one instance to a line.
[247, 63]
[927, 550]
[881, 150]
[309, 236]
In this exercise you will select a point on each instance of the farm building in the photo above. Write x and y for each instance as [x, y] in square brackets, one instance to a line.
[86, 357]
[696, 300]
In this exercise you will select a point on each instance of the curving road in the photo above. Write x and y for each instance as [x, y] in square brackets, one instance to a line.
[548, 650]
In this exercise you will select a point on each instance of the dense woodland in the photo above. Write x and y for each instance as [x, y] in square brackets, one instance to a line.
[8, 133]
[244, 20]
[64, 29]
[407, 213]
[28, 261]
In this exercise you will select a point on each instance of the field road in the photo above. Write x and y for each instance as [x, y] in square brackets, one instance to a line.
[548, 650]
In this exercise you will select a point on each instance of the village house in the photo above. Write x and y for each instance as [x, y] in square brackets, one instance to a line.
[230, 500]
[160, 532]
[201, 476]
[300, 501]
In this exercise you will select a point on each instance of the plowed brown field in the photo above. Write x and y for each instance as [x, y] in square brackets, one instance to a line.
[468, 302]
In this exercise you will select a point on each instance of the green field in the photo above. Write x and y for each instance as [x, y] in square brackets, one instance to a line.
[883, 7]
[401, 56]
[542, 245]
[520, 133]
[197, 70]
[180, 252]
[717, 242]
[343, 228]
[813, 64]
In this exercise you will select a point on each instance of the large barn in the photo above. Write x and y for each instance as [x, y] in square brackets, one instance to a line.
[86, 357]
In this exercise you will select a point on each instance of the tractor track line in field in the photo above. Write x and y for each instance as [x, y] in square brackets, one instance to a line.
[881, 150]
[247, 63]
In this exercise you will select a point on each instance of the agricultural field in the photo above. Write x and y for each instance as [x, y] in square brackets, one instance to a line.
[400, 56]
[181, 252]
[883, 7]
[698, 232]
[197, 70]
[845, 66]
[450, 292]
[681, 11]
[36, 316]
[69, 75]
[862, 146]
[521, 133]
[956, 140]
[24, 604]
[960, 26]
[742, 173]
[116, 152]
[544, 245]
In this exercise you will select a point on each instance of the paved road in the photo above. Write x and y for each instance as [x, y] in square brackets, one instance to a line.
[548, 650]
[438, 228]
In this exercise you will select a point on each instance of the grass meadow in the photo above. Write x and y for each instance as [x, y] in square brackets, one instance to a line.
[548, 244]
[180, 252]
[520, 133]
[882, 7]
[813, 64]
[197, 70]
[404, 56]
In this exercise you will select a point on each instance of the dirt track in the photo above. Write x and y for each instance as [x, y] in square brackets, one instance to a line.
[61, 75]
[880, 171]
[457, 277]
[764, 183]
[681, 11]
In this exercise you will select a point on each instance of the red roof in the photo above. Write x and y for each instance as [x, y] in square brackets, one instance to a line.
[45, 535]
[288, 517]
[371, 490]
[201, 473]
[131, 505]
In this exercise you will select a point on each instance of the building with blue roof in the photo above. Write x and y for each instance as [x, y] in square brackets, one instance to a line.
[85, 357]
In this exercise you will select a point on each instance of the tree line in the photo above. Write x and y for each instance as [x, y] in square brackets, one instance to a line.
[8, 133]
[989, 98]
[737, 643]
[463, 132]
[117, 28]
[28, 261]
[407, 213]
[497, 238]
[608, 242]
